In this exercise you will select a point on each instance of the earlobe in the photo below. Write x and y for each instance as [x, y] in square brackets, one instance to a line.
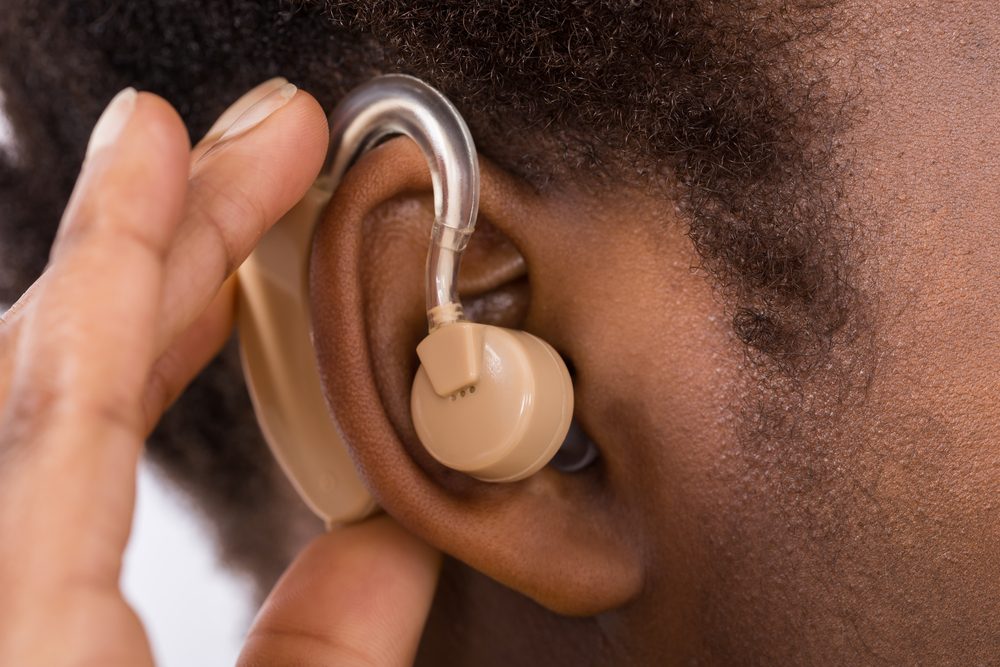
[561, 539]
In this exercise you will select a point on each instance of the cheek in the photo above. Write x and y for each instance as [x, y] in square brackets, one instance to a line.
[656, 381]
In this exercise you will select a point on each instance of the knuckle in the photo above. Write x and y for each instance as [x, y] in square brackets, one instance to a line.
[121, 414]
[31, 404]
[26, 413]
[35, 407]
[159, 393]
[105, 214]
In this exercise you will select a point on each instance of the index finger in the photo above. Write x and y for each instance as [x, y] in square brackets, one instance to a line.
[237, 190]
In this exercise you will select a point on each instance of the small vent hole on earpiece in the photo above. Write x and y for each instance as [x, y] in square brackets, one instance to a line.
[471, 389]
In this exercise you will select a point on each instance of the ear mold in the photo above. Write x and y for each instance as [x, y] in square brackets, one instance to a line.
[501, 423]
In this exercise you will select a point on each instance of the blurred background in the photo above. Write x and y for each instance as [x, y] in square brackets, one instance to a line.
[195, 611]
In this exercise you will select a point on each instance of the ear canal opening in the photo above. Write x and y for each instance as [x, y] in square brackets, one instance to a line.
[570, 366]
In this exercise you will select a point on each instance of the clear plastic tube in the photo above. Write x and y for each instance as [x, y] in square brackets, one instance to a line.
[397, 104]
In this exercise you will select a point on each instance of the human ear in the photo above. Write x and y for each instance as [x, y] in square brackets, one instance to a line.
[559, 538]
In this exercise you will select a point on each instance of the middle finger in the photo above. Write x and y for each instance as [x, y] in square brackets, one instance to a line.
[235, 194]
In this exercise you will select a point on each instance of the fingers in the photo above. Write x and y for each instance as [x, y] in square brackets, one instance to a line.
[228, 117]
[97, 313]
[129, 309]
[238, 189]
[84, 349]
[235, 110]
[189, 353]
[235, 194]
[356, 596]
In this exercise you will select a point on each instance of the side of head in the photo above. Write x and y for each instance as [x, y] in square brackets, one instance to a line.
[762, 235]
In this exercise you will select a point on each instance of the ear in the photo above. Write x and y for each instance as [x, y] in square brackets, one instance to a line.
[561, 539]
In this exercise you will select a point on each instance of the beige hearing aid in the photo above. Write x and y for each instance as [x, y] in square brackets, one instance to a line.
[491, 402]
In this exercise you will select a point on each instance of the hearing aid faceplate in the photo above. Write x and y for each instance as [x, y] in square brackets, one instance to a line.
[518, 399]
[509, 420]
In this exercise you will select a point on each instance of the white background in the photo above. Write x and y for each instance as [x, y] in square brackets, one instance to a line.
[195, 612]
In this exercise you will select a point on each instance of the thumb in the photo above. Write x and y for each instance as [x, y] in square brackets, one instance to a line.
[355, 596]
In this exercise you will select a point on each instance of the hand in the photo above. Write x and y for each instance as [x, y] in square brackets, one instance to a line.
[135, 300]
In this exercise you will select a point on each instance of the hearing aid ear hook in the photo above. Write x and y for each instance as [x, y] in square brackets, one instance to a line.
[491, 402]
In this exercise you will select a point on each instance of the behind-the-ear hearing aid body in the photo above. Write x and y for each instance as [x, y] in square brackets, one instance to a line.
[491, 402]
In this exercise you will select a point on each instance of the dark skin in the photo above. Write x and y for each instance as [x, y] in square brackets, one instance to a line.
[600, 539]
[690, 540]
[809, 502]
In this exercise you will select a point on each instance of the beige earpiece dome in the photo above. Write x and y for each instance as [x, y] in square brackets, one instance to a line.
[510, 418]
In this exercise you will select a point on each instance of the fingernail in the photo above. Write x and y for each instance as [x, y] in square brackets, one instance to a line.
[111, 123]
[237, 108]
[259, 112]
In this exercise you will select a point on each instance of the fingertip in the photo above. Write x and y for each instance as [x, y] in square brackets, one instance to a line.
[358, 594]
[165, 129]
[309, 134]
[237, 109]
[135, 169]
[380, 538]
[349, 559]
[316, 119]
[139, 175]
[282, 139]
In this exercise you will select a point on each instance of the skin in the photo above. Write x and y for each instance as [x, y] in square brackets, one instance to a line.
[864, 530]
[860, 528]
[118, 300]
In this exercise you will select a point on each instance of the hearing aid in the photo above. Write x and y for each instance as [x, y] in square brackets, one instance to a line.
[490, 402]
